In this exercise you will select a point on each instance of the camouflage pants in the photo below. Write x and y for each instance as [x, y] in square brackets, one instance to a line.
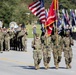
[37, 56]
[1, 45]
[24, 43]
[68, 56]
[57, 55]
[46, 55]
[7, 44]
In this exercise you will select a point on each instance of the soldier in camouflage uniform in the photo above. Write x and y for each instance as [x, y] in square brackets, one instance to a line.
[19, 39]
[67, 42]
[24, 40]
[12, 36]
[1, 40]
[7, 40]
[46, 47]
[37, 52]
[57, 48]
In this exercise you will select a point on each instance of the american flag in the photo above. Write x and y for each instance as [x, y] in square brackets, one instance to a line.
[38, 9]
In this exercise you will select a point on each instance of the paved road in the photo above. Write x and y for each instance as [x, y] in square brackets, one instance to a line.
[21, 63]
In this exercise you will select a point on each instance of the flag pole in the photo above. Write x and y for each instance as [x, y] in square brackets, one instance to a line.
[56, 12]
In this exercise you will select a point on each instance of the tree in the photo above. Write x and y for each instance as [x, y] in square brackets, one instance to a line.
[15, 10]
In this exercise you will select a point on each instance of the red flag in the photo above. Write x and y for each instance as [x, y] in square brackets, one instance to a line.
[49, 30]
[52, 14]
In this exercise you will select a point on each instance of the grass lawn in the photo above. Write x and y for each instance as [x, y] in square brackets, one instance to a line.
[29, 30]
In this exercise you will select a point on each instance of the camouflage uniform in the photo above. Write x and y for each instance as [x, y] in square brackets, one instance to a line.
[19, 38]
[1, 41]
[37, 53]
[67, 42]
[12, 36]
[46, 45]
[7, 41]
[24, 41]
[57, 49]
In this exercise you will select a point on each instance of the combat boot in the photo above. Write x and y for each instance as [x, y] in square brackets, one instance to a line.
[38, 66]
[57, 66]
[25, 50]
[8, 50]
[46, 67]
[67, 67]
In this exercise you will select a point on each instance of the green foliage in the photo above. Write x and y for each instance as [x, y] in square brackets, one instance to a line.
[68, 4]
[16, 10]
[29, 30]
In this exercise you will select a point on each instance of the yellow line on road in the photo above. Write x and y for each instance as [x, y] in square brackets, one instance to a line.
[14, 61]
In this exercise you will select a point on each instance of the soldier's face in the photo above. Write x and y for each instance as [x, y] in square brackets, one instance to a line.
[37, 37]
[67, 35]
